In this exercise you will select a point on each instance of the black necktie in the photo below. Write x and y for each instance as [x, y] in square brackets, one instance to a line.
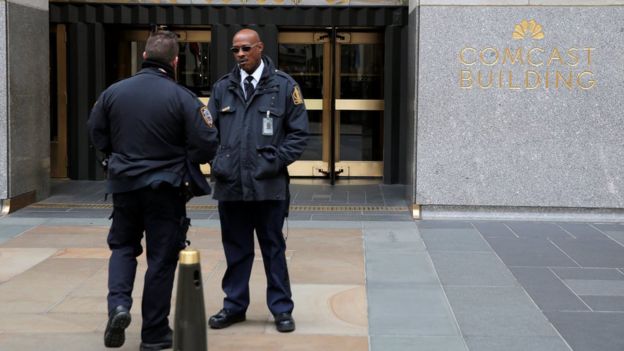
[249, 88]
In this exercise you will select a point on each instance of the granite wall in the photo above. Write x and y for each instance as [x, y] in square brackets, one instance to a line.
[28, 118]
[520, 106]
[4, 171]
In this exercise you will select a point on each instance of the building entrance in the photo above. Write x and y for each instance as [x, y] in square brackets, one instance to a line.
[341, 78]
[193, 69]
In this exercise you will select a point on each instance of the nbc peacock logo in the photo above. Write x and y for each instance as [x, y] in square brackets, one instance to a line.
[528, 29]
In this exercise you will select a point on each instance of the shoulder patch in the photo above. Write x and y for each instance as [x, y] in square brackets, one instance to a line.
[296, 96]
[206, 116]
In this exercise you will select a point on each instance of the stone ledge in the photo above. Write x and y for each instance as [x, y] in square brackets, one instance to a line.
[520, 2]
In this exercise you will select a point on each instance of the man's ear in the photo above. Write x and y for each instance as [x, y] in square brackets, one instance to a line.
[174, 63]
[144, 55]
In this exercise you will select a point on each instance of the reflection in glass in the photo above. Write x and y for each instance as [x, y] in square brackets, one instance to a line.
[361, 135]
[361, 71]
[193, 69]
[314, 150]
[303, 62]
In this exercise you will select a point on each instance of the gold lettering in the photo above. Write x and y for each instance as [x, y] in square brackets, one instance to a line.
[547, 80]
[489, 83]
[513, 59]
[530, 55]
[536, 80]
[511, 86]
[591, 81]
[462, 59]
[500, 78]
[589, 50]
[465, 76]
[567, 82]
[483, 55]
[573, 54]
[554, 55]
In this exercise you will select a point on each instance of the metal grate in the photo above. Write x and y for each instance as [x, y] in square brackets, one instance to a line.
[196, 207]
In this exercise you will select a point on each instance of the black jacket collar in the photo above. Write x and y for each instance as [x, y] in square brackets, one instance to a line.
[162, 67]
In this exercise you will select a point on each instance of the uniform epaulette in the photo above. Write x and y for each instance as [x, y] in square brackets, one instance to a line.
[285, 75]
[224, 77]
[192, 93]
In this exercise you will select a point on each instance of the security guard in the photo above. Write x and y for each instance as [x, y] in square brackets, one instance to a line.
[263, 127]
[155, 132]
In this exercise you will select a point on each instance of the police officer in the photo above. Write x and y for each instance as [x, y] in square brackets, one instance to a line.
[263, 127]
[155, 132]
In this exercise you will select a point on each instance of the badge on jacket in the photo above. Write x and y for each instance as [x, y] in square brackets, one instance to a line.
[206, 116]
[296, 96]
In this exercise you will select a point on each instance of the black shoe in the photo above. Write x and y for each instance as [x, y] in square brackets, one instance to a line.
[225, 318]
[118, 321]
[284, 322]
[165, 343]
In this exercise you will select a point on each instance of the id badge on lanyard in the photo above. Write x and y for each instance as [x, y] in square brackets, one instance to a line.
[267, 124]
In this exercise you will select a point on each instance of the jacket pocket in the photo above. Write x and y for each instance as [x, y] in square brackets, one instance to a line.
[268, 164]
[224, 166]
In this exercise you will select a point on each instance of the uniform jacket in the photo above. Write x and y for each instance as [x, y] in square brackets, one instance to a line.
[153, 129]
[250, 165]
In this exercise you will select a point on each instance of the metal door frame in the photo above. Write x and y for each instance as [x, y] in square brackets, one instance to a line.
[331, 166]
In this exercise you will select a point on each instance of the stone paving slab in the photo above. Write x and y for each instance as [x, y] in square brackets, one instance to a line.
[53, 291]
[371, 281]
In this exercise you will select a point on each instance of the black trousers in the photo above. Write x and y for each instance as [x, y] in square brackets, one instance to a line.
[239, 219]
[161, 213]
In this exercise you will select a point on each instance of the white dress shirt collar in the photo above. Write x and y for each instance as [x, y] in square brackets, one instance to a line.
[256, 75]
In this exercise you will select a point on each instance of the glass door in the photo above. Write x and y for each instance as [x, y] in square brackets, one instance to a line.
[193, 58]
[341, 78]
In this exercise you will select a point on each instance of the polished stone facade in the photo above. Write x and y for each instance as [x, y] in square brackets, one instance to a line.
[531, 119]
[28, 112]
[4, 179]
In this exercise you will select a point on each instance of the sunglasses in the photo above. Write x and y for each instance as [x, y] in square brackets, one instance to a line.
[245, 48]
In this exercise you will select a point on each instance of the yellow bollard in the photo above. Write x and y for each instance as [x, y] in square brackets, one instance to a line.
[190, 317]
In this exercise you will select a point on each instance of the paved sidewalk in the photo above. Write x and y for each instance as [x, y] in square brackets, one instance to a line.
[365, 277]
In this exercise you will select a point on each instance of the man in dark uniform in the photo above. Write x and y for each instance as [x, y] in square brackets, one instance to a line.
[156, 133]
[263, 127]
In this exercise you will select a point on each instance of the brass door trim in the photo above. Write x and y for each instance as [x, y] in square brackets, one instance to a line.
[311, 104]
[307, 168]
[199, 36]
[360, 168]
[327, 91]
[298, 38]
[365, 38]
[58, 149]
[313, 168]
[314, 104]
[359, 105]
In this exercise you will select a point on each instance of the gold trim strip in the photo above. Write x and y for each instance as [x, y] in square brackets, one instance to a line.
[360, 168]
[307, 168]
[359, 105]
[210, 207]
[6, 207]
[200, 36]
[314, 104]
[297, 38]
[416, 213]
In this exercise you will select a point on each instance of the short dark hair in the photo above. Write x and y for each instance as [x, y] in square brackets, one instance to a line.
[162, 46]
